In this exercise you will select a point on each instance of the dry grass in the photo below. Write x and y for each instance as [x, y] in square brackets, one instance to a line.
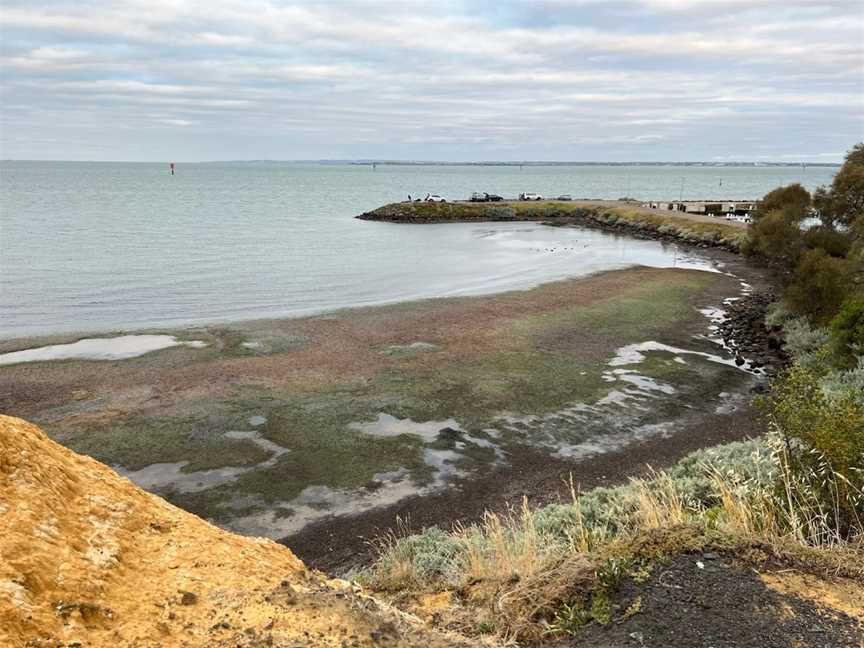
[659, 503]
[517, 576]
[501, 549]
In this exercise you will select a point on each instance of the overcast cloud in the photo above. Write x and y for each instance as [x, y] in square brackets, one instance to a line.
[602, 80]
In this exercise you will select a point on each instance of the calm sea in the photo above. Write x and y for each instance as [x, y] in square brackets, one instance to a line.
[89, 247]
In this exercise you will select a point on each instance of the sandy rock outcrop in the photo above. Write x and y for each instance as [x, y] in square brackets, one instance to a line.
[89, 559]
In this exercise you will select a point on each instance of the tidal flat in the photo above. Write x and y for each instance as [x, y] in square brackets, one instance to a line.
[335, 424]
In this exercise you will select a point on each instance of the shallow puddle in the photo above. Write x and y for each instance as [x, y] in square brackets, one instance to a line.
[170, 476]
[113, 348]
[317, 502]
[160, 476]
[390, 426]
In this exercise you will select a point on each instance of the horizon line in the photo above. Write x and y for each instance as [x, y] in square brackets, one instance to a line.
[409, 162]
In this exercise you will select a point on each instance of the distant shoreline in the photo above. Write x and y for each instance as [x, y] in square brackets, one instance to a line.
[534, 163]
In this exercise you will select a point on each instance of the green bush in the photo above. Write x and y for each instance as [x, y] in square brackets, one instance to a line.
[835, 243]
[827, 261]
[843, 203]
[824, 435]
[847, 332]
[794, 199]
[777, 236]
[498, 212]
[849, 382]
[778, 314]
[434, 555]
[819, 285]
[806, 345]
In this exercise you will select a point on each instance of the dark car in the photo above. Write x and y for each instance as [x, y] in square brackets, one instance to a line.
[482, 196]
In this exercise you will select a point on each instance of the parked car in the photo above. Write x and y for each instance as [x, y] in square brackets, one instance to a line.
[564, 197]
[434, 198]
[745, 218]
[530, 196]
[482, 196]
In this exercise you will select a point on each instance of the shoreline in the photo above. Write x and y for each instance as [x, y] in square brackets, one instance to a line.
[181, 329]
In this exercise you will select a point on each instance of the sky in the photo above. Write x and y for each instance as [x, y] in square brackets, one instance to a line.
[563, 80]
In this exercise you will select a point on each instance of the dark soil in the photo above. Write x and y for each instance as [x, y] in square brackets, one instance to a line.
[721, 605]
[335, 545]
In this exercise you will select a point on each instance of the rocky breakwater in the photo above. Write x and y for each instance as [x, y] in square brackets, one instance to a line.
[619, 217]
[446, 212]
[744, 331]
[89, 559]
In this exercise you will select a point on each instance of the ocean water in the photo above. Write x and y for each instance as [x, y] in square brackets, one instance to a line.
[95, 247]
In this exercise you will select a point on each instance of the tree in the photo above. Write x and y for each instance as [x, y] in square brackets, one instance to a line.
[834, 242]
[819, 285]
[777, 235]
[793, 199]
[843, 202]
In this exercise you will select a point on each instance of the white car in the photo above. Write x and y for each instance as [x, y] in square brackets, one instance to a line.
[530, 196]
[434, 198]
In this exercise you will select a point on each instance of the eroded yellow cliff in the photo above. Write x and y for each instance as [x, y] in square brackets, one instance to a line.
[86, 557]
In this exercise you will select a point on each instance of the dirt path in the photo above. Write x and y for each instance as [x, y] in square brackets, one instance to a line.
[711, 600]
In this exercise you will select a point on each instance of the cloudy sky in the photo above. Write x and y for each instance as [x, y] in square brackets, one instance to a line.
[604, 80]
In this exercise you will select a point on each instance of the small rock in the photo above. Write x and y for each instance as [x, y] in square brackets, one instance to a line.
[449, 434]
[188, 598]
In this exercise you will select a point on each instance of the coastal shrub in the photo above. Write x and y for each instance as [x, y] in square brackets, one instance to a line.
[553, 212]
[836, 244]
[823, 458]
[499, 212]
[751, 459]
[793, 199]
[777, 236]
[804, 343]
[422, 558]
[847, 332]
[824, 263]
[777, 314]
[819, 285]
[850, 381]
[527, 541]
